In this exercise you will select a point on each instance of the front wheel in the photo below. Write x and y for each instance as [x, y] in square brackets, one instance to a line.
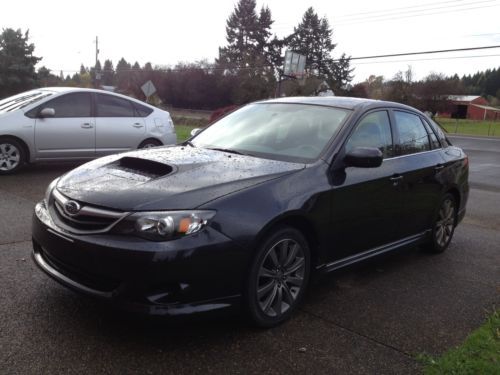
[278, 277]
[12, 156]
[444, 225]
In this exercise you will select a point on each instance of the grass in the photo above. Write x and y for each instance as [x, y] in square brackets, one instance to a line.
[184, 131]
[471, 127]
[479, 354]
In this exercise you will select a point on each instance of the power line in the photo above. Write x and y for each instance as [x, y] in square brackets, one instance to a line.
[423, 52]
[429, 59]
[417, 11]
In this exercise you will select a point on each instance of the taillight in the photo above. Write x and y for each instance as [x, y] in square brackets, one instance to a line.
[466, 162]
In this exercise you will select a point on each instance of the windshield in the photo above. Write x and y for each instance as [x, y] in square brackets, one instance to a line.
[22, 100]
[288, 132]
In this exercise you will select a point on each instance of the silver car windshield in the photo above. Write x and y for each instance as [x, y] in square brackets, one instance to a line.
[280, 131]
[22, 100]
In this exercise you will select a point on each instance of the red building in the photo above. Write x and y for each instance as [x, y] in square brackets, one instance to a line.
[471, 107]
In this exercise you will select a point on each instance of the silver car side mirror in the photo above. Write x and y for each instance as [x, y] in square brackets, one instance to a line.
[195, 131]
[47, 112]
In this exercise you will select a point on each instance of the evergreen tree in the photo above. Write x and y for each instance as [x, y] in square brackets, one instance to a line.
[249, 55]
[123, 72]
[313, 38]
[108, 73]
[17, 63]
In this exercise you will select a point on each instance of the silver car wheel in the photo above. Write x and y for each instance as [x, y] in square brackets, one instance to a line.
[445, 223]
[280, 277]
[10, 156]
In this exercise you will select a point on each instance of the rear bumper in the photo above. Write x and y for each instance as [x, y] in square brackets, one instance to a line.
[202, 272]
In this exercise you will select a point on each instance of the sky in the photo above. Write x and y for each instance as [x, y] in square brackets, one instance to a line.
[167, 32]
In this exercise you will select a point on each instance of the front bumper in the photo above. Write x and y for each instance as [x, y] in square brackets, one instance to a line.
[197, 273]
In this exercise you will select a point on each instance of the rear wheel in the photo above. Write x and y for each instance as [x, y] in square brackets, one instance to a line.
[278, 277]
[12, 155]
[444, 225]
[148, 143]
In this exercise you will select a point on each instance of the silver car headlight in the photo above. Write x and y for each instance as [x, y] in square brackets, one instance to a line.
[164, 226]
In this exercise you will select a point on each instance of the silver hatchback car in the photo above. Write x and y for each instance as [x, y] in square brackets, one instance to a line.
[58, 123]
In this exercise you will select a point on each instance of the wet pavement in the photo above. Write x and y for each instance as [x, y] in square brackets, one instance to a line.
[374, 318]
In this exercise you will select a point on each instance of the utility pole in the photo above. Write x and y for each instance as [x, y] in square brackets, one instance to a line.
[97, 73]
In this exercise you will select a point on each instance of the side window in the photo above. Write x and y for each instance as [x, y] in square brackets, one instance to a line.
[434, 141]
[374, 130]
[439, 132]
[142, 110]
[412, 135]
[70, 105]
[113, 106]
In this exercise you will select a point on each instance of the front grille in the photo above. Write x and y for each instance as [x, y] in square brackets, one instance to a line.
[86, 219]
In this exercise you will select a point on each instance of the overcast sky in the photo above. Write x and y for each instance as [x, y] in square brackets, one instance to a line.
[166, 32]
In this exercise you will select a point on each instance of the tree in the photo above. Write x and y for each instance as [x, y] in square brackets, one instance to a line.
[17, 63]
[313, 38]
[108, 73]
[123, 72]
[249, 54]
[46, 79]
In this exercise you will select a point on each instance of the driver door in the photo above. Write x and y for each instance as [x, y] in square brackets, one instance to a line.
[366, 203]
[70, 133]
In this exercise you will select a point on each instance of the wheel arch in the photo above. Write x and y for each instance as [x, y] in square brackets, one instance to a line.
[301, 223]
[149, 139]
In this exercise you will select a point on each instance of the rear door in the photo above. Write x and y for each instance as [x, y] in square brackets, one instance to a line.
[71, 132]
[419, 165]
[117, 126]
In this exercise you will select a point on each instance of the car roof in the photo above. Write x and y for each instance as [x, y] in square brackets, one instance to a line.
[340, 102]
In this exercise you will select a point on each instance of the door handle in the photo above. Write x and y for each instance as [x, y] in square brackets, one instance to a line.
[395, 179]
[438, 167]
[87, 125]
[137, 125]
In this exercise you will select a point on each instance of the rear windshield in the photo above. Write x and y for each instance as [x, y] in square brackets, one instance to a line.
[22, 100]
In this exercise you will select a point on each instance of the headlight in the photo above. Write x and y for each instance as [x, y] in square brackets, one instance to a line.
[48, 192]
[164, 226]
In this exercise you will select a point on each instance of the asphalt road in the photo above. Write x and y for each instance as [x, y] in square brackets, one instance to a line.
[374, 318]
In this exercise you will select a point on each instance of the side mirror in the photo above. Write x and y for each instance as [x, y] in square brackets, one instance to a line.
[47, 112]
[195, 131]
[364, 157]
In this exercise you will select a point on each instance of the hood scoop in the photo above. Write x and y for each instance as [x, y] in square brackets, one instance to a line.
[144, 167]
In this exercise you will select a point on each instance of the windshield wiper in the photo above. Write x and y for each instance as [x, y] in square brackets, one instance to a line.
[189, 143]
[227, 150]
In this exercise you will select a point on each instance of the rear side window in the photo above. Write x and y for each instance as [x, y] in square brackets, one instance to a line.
[413, 137]
[113, 106]
[374, 130]
[142, 110]
[440, 134]
[432, 136]
[69, 105]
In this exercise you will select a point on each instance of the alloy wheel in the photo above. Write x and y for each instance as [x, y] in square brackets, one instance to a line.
[10, 157]
[280, 277]
[445, 222]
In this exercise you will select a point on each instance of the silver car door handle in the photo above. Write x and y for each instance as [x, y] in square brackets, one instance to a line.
[137, 125]
[438, 167]
[87, 125]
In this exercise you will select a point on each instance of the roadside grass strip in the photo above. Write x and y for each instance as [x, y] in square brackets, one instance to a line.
[479, 354]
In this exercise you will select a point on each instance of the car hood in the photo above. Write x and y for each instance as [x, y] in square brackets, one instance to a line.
[167, 178]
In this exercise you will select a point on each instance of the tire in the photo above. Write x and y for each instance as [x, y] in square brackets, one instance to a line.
[12, 155]
[443, 226]
[148, 143]
[278, 277]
